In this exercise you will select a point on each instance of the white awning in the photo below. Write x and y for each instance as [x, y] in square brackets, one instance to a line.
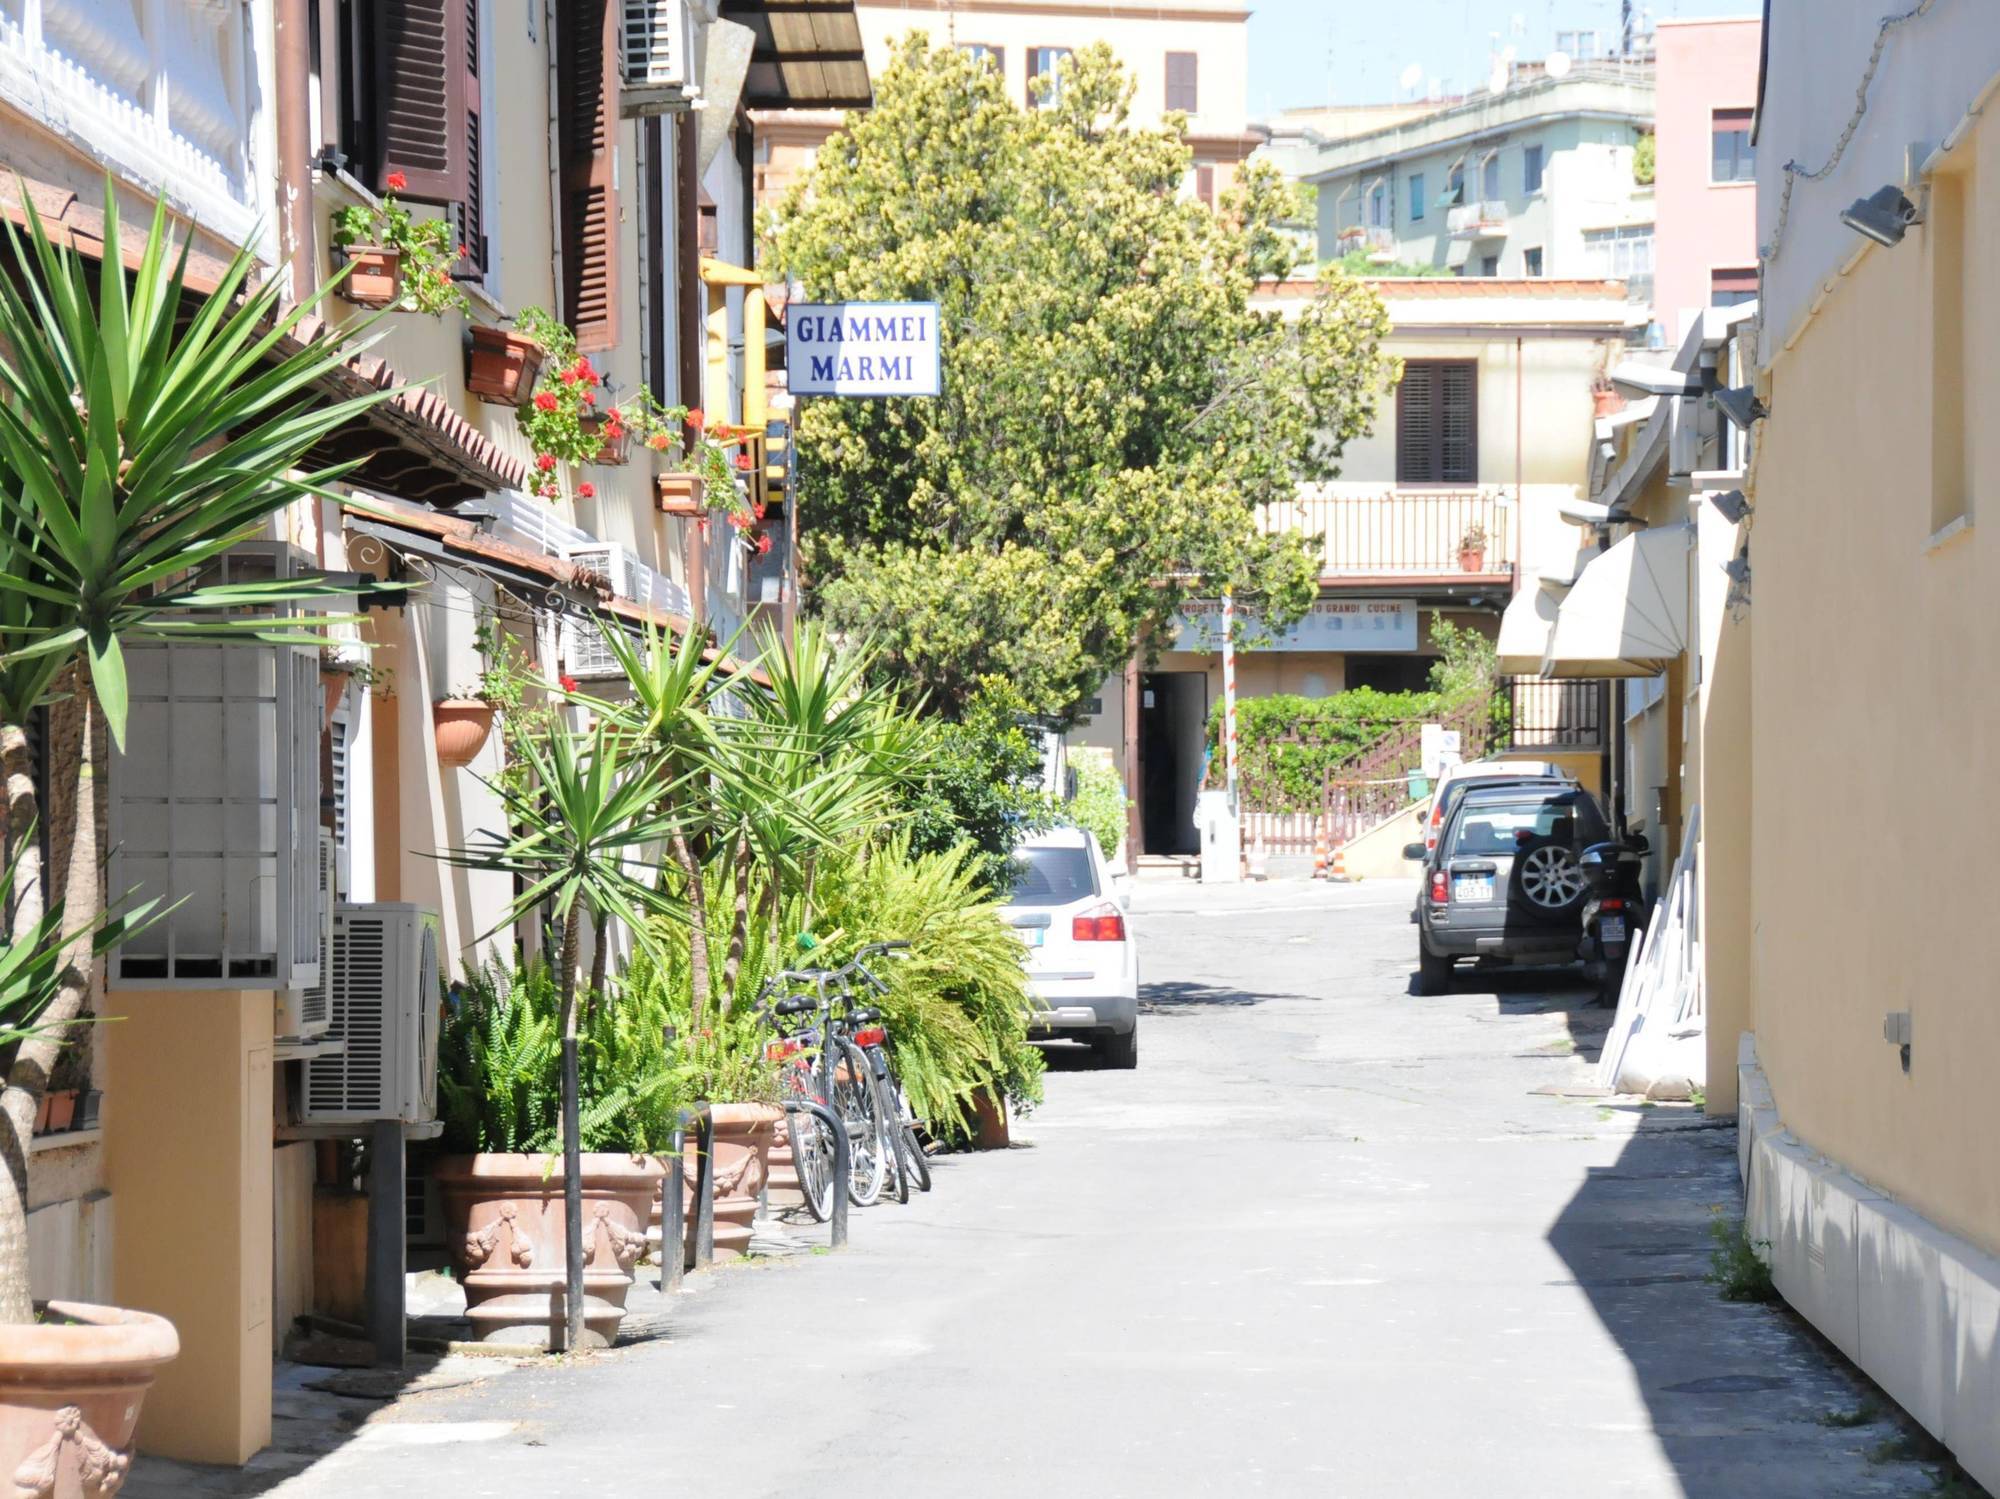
[1525, 627]
[1627, 614]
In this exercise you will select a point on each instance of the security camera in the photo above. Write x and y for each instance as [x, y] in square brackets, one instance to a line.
[1641, 380]
[1884, 215]
[1733, 504]
[1740, 404]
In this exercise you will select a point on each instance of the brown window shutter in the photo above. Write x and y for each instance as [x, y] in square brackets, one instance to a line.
[423, 94]
[472, 216]
[1181, 75]
[1458, 437]
[587, 103]
[1416, 424]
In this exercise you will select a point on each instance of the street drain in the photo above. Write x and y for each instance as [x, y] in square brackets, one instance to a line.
[1727, 1384]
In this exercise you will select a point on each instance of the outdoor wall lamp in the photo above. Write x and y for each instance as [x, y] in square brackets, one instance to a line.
[1740, 404]
[1885, 215]
[1733, 504]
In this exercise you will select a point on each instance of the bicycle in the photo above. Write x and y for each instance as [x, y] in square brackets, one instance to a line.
[829, 1069]
[908, 1158]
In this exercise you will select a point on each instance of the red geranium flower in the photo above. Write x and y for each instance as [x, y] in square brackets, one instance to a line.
[590, 398]
[764, 546]
[586, 490]
[758, 510]
[569, 683]
[697, 418]
[545, 400]
[739, 520]
[657, 442]
[745, 462]
[396, 182]
[545, 461]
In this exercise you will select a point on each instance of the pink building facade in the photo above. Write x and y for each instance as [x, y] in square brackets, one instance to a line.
[1705, 187]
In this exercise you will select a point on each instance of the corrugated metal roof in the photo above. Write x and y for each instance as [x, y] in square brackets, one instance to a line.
[808, 54]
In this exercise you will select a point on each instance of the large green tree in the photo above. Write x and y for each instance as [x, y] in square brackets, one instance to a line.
[1114, 409]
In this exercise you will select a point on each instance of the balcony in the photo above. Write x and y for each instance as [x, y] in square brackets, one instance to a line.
[1373, 533]
[1545, 714]
[1487, 220]
[1374, 238]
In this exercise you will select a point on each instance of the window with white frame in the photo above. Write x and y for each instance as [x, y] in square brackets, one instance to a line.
[1623, 254]
[1043, 62]
[215, 803]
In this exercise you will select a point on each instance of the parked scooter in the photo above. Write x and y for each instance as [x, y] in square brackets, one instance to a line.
[1614, 912]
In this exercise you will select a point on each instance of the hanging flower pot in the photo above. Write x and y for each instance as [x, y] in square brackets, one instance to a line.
[375, 277]
[614, 440]
[501, 366]
[679, 494]
[461, 726]
[1606, 402]
[334, 684]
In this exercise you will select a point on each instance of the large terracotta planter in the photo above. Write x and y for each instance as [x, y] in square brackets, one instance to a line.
[504, 1226]
[375, 277]
[500, 367]
[744, 1134]
[461, 726]
[989, 1121]
[70, 1391]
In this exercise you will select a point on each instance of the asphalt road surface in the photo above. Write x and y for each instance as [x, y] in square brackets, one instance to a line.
[1325, 1241]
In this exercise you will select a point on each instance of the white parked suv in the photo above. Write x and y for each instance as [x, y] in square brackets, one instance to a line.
[1080, 958]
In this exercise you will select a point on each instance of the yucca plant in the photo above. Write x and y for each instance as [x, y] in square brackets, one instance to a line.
[583, 818]
[144, 430]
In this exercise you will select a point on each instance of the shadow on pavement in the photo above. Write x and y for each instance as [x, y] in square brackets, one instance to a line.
[1563, 992]
[1180, 997]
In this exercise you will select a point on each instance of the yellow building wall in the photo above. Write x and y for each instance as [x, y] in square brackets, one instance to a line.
[188, 1159]
[1877, 716]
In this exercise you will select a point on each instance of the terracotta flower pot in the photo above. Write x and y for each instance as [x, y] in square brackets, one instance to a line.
[1471, 559]
[612, 452]
[989, 1121]
[375, 277]
[504, 1217]
[62, 1109]
[744, 1134]
[334, 683]
[461, 726]
[70, 1391]
[679, 494]
[501, 366]
[1606, 402]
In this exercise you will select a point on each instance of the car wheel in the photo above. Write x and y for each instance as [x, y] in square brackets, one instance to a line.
[1433, 972]
[1119, 1051]
[1548, 881]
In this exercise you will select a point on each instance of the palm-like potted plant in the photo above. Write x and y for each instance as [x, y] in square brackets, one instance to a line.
[111, 382]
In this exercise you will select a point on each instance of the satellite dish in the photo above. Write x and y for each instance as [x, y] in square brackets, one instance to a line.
[1557, 64]
[1412, 77]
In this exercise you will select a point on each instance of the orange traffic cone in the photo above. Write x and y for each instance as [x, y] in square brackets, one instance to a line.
[1339, 874]
[1319, 852]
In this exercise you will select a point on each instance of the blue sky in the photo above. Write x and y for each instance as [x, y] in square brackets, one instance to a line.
[1305, 52]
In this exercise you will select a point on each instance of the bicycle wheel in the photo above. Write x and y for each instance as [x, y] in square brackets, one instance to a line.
[860, 1108]
[918, 1164]
[812, 1157]
[892, 1138]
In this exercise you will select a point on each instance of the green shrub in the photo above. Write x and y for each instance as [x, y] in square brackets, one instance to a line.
[500, 1068]
[1286, 744]
[1736, 1263]
[1100, 805]
[958, 1003]
[980, 785]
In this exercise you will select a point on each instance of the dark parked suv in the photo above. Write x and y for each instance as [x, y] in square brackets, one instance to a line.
[1504, 882]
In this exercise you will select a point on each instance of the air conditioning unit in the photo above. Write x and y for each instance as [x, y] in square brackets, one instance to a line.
[658, 47]
[385, 1002]
[303, 1014]
[584, 652]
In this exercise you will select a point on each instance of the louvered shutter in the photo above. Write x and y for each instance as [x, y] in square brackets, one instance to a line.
[1458, 458]
[1181, 91]
[471, 204]
[1416, 424]
[422, 94]
[587, 104]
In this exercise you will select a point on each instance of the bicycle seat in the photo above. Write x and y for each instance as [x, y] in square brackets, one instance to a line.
[866, 1016]
[798, 1004]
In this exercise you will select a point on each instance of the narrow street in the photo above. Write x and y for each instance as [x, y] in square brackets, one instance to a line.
[1326, 1240]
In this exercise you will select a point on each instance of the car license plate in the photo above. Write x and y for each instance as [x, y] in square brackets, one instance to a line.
[1032, 935]
[1611, 929]
[1472, 888]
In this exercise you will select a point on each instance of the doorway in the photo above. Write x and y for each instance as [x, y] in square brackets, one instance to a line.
[1173, 736]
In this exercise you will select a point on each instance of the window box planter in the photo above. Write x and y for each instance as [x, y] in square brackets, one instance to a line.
[501, 365]
[612, 452]
[89, 1108]
[375, 277]
[71, 1384]
[680, 494]
[58, 1110]
[461, 726]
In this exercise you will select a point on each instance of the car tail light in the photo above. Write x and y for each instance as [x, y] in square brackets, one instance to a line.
[1440, 888]
[1105, 924]
[871, 1035]
[1611, 903]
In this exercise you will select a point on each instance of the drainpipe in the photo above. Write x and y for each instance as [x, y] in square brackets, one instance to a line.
[1520, 511]
[292, 38]
[693, 327]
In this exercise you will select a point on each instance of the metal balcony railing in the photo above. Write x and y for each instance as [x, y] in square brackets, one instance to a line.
[1544, 713]
[1483, 220]
[1404, 533]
